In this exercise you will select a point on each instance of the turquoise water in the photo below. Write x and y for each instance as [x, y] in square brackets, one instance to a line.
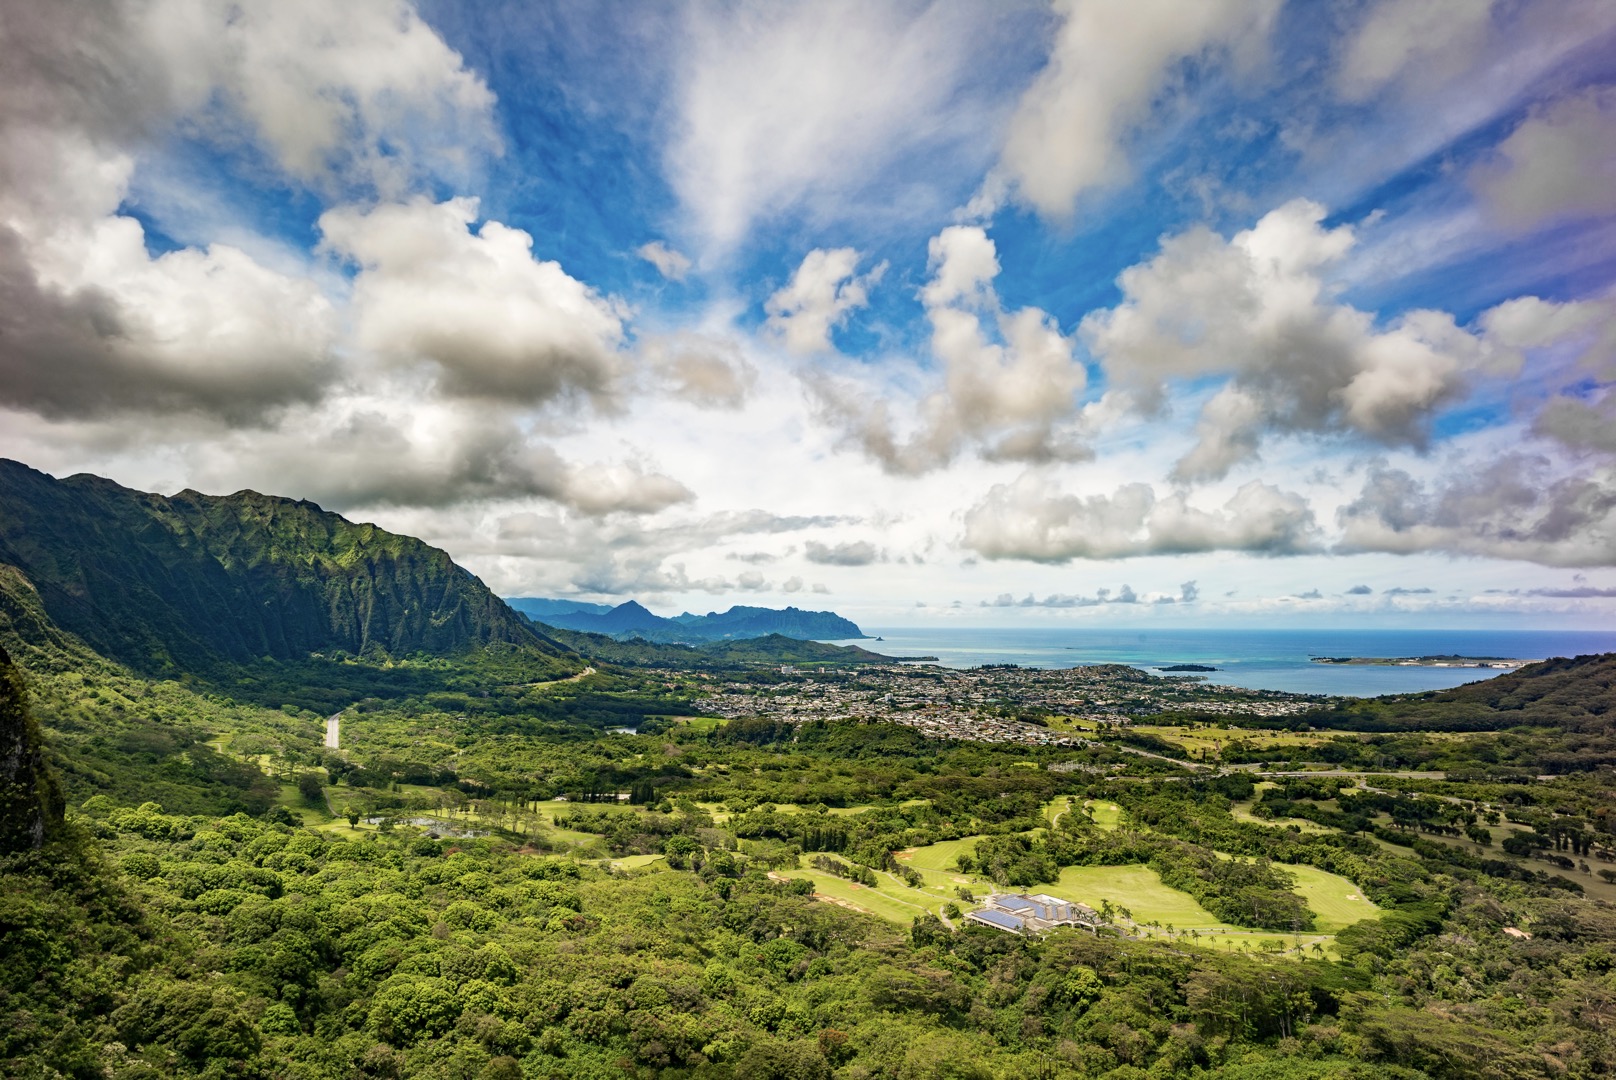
[1257, 659]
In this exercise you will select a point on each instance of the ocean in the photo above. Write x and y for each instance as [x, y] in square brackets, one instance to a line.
[1256, 659]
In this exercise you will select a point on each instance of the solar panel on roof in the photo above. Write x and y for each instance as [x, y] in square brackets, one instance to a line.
[999, 919]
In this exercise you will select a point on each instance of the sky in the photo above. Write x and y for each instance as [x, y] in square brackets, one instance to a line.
[1091, 313]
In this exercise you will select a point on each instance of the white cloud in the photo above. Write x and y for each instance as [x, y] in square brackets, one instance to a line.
[1032, 520]
[963, 262]
[1403, 35]
[353, 93]
[1013, 397]
[494, 322]
[383, 449]
[849, 553]
[94, 324]
[782, 107]
[670, 264]
[1515, 507]
[1109, 62]
[1260, 308]
[1558, 162]
[703, 369]
[822, 292]
[337, 95]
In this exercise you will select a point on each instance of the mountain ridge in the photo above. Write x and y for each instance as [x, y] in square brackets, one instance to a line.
[631, 619]
[189, 581]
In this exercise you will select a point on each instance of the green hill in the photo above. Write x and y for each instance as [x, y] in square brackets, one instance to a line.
[183, 583]
[1576, 694]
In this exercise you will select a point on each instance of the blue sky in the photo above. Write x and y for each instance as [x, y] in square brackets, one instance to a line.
[1247, 311]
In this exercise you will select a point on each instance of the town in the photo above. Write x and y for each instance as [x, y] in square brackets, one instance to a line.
[996, 703]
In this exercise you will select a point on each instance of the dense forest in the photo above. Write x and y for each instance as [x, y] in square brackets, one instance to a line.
[536, 858]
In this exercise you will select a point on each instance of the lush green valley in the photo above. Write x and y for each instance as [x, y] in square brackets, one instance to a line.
[537, 854]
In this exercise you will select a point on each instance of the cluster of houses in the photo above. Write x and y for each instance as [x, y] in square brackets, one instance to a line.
[1017, 913]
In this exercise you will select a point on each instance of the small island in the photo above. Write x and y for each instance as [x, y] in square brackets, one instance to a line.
[1503, 662]
[1187, 667]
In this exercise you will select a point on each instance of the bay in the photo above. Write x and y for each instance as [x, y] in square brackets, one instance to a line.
[1256, 659]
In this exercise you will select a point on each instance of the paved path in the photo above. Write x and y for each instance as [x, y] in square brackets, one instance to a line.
[332, 723]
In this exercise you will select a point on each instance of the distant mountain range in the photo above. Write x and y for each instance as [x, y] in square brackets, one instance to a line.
[630, 620]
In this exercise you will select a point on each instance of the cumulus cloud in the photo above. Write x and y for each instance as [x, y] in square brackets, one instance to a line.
[1109, 62]
[338, 93]
[1260, 308]
[1581, 424]
[670, 264]
[1559, 162]
[1401, 591]
[791, 585]
[620, 556]
[847, 553]
[1359, 590]
[822, 292]
[374, 453]
[340, 96]
[702, 369]
[493, 321]
[92, 325]
[1399, 36]
[1517, 507]
[1011, 391]
[1031, 520]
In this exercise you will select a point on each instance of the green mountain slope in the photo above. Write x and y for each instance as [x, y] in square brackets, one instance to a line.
[185, 582]
[1576, 694]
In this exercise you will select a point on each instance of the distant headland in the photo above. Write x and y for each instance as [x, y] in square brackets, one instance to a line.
[1506, 663]
[631, 620]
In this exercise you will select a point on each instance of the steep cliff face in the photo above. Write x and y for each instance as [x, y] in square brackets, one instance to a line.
[30, 801]
[165, 583]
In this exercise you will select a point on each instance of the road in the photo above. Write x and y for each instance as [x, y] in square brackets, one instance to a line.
[584, 674]
[332, 724]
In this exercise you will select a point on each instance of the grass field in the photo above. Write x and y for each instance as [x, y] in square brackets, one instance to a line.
[1211, 741]
[1106, 815]
[1241, 811]
[890, 900]
[1137, 888]
[941, 856]
[635, 862]
[1057, 807]
[292, 800]
[1335, 900]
